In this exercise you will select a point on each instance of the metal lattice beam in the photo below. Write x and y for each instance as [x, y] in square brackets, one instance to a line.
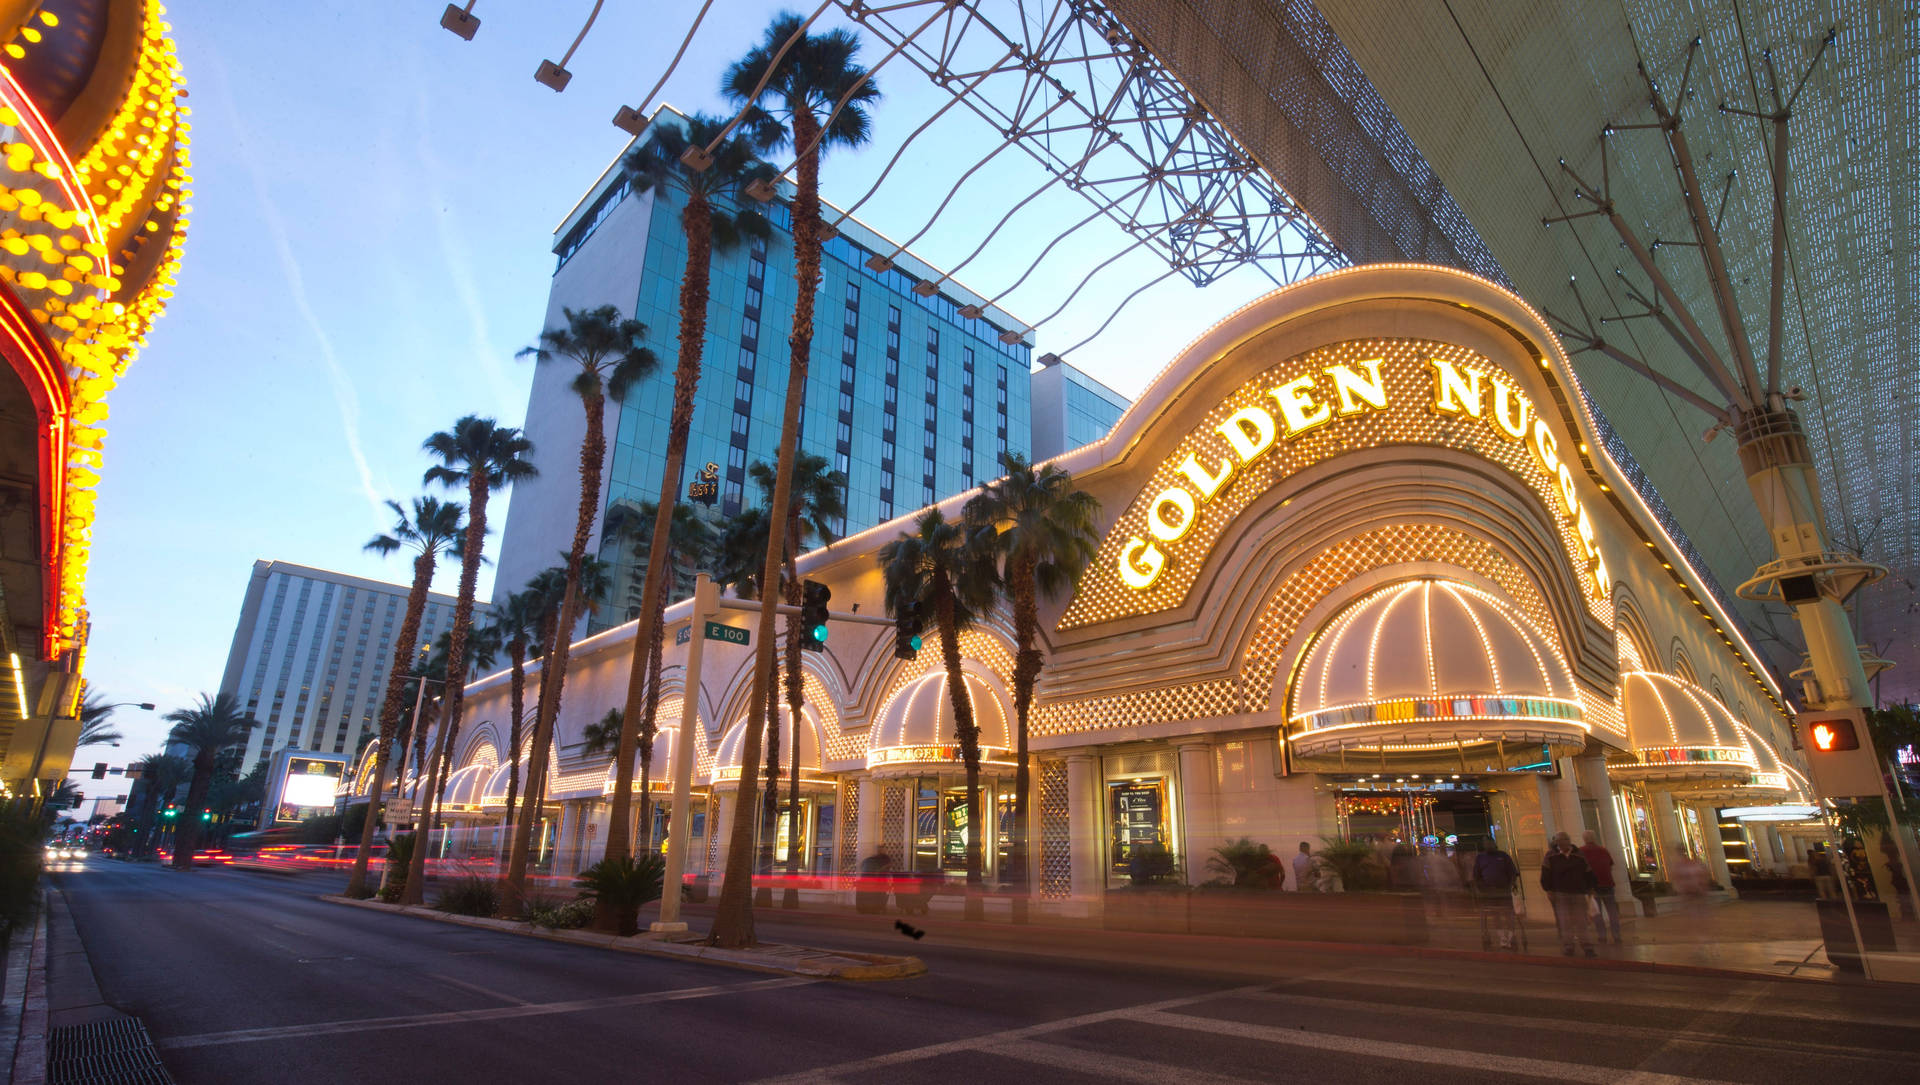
[1068, 84]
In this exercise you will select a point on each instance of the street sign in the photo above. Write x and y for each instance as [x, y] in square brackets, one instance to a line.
[399, 809]
[726, 634]
[683, 634]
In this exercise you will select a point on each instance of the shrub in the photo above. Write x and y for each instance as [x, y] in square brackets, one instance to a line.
[624, 885]
[23, 835]
[471, 895]
[562, 915]
[1359, 868]
[399, 854]
[1150, 864]
[1244, 864]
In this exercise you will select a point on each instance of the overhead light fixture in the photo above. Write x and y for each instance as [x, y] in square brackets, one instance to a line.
[552, 75]
[630, 120]
[461, 21]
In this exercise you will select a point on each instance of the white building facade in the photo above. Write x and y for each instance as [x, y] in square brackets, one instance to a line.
[310, 655]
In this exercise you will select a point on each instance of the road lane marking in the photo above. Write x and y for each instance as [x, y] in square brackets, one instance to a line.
[1544, 1069]
[993, 1039]
[1804, 1004]
[478, 989]
[1110, 1066]
[457, 1017]
[1590, 1028]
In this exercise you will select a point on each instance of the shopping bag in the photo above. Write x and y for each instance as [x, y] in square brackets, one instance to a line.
[1519, 906]
[1593, 907]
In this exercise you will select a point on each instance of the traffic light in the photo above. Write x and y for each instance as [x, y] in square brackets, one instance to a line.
[1833, 734]
[907, 626]
[206, 815]
[169, 812]
[99, 770]
[813, 615]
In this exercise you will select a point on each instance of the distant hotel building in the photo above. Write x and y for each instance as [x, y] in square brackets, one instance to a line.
[909, 397]
[1070, 409]
[310, 654]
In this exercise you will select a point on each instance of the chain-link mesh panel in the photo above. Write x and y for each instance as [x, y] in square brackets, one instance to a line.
[850, 825]
[1056, 840]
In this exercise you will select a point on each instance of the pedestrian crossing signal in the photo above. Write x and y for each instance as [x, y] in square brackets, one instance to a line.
[1833, 734]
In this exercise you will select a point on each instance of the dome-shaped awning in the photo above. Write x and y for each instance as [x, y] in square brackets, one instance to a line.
[1432, 671]
[659, 766]
[463, 789]
[917, 728]
[726, 760]
[1678, 733]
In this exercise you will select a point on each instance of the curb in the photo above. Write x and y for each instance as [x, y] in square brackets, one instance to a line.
[27, 1062]
[778, 960]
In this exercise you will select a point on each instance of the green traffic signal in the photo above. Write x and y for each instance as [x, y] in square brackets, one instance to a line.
[819, 634]
[915, 642]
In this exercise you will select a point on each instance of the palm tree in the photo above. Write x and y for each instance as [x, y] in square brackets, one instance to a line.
[162, 774]
[206, 729]
[482, 456]
[546, 595]
[941, 567]
[741, 551]
[801, 86]
[1042, 531]
[430, 531]
[516, 625]
[691, 544]
[817, 504]
[657, 166]
[483, 645]
[608, 353]
[95, 730]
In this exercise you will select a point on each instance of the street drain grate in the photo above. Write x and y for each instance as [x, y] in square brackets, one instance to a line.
[117, 1052]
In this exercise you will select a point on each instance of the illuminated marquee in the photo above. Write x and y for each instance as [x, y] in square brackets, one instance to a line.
[904, 754]
[1292, 408]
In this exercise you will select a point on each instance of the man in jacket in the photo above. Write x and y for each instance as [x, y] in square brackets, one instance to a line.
[1568, 880]
[1600, 861]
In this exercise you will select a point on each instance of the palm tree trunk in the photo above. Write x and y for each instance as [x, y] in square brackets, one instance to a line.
[390, 712]
[553, 672]
[790, 898]
[649, 726]
[967, 733]
[1026, 671]
[479, 478]
[696, 223]
[770, 798]
[733, 915]
[516, 705]
[187, 832]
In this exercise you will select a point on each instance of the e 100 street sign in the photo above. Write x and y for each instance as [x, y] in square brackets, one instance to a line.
[726, 634]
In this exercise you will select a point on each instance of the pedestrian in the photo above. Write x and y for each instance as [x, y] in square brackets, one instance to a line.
[1820, 866]
[1690, 880]
[1303, 869]
[1568, 880]
[1601, 861]
[1494, 876]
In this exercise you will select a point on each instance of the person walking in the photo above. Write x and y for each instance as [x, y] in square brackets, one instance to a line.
[1303, 869]
[1600, 861]
[1568, 880]
[1494, 876]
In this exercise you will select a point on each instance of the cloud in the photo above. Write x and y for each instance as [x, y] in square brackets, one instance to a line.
[345, 397]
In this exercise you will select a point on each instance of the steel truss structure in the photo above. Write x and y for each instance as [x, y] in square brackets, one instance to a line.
[1065, 82]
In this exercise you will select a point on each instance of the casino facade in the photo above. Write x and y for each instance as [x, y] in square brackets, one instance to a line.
[1365, 572]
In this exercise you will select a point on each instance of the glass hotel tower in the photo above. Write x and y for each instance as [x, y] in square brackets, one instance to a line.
[906, 396]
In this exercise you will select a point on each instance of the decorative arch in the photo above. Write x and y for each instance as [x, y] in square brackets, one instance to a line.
[1680, 664]
[1636, 640]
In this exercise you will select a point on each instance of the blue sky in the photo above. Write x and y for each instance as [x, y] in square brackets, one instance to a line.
[371, 237]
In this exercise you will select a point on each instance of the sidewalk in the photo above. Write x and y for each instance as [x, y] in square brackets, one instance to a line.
[62, 1028]
[1723, 936]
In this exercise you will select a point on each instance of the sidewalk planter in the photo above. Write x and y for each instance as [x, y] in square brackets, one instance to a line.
[1154, 910]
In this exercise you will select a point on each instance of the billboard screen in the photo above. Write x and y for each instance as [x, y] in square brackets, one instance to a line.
[308, 788]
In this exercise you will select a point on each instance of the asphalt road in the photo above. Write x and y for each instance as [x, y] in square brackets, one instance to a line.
[244, 977]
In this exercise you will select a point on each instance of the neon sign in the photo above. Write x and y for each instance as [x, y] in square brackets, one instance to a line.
[1297, 406]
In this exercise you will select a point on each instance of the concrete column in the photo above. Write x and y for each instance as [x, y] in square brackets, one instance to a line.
[1595, 785]
[1716, 850]
[1563, 793]
[866, 830]
[1083, 826]
[1777, 855]
[1667, 820]
[1199, 809]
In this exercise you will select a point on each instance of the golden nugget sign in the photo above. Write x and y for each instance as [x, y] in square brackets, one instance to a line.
[1308, 402]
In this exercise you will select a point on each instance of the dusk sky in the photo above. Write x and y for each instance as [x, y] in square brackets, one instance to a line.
[373, 207]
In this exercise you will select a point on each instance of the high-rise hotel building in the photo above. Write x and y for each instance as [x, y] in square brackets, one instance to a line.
[310, 655]
[907, 394]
